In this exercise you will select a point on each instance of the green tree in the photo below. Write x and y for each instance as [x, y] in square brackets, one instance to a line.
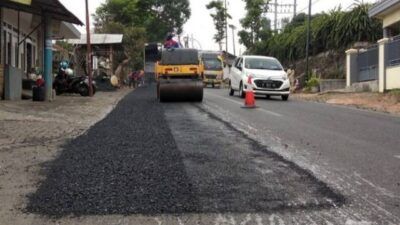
[133, 43]
[140, 21]
[219, 16]
[157, 17]
[334, 31]
[253, 22]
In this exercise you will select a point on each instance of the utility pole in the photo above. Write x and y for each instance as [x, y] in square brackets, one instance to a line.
[89, 50]
[276, 15]
[233, 38]
[226, 26]
[186, 39]
[308, 41]
[192, 41]
[283, 8]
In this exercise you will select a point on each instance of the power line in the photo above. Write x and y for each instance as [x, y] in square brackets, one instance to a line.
[276, 9]
[313, 3]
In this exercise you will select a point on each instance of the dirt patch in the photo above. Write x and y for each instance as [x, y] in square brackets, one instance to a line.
[387, 103]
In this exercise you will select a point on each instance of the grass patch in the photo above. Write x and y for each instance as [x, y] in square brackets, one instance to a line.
[395, 93]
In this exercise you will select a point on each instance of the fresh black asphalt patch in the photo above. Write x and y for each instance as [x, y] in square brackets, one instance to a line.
[149, 158]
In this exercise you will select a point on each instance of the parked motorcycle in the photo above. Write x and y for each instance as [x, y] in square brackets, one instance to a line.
[64, 82]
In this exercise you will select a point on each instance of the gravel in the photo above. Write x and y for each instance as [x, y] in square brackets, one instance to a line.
[130, 163]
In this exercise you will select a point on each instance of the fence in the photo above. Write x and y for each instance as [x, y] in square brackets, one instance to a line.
[368, 64]
[393, 48]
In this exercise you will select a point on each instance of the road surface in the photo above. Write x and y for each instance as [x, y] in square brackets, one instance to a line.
[216, 163]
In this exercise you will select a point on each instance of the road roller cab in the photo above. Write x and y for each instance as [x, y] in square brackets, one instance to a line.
[180, 76]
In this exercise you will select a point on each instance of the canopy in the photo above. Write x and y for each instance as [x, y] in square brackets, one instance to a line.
[43, 7]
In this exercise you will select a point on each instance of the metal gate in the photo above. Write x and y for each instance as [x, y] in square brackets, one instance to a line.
[394, 52]
[368, 64]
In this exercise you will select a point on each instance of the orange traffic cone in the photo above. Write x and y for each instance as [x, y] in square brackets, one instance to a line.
[249, 101]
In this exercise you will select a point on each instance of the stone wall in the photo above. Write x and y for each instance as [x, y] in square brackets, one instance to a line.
[332, 84]
[368, 86]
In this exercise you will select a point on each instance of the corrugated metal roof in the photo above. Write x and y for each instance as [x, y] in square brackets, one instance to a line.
[40, 7]
[68, 30]
[98, 39]
[382, 7]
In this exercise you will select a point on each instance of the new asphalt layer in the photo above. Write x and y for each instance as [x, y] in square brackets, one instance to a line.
[151, 158]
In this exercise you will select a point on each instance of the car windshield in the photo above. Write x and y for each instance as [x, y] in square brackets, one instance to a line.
[262, 64]
[212, 64]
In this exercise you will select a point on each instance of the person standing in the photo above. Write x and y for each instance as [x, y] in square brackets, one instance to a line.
[170, 42]
[132, 79]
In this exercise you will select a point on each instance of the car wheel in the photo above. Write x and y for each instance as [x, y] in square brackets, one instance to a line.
[242, 94]
[231, 91]
[285, 97]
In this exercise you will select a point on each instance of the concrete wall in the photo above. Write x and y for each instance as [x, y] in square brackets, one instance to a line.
[332, 84]
[13, 83]
[389, 76]
[368, 86]
[393, 77]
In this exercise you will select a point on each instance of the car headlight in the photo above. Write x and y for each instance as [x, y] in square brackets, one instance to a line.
[285, 77]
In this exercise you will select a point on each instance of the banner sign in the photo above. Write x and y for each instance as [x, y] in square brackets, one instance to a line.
[25, 2]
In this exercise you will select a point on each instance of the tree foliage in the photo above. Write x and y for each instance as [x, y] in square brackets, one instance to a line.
[333, 31]
[140, 21]
[219, 16]
[254, 24]
[157, 17]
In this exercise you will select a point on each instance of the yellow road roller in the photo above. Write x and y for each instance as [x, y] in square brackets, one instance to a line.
[179, 76]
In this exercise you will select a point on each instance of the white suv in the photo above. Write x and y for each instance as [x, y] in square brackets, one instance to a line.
[267, 77]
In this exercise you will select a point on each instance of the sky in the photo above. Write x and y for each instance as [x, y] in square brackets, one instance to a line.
[201, 26]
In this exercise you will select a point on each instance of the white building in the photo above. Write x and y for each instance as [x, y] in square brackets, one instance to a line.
[378, 67]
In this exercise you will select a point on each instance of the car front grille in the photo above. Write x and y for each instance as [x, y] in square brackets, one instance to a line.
[268, 84]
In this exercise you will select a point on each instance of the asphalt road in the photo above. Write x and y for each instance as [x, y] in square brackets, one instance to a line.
[217, 163]
[362, 146]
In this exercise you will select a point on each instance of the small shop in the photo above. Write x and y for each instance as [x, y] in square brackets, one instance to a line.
[28, 28]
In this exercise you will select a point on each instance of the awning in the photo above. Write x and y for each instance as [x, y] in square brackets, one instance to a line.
[98, 39]
[382, 8]
[42, 7]
[68, 31]
[25, 2]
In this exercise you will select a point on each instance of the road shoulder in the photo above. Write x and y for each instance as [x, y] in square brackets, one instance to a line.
[31, 135]
[385, 103]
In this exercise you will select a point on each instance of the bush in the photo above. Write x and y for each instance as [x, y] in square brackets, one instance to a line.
[336, 31]
[313, 82]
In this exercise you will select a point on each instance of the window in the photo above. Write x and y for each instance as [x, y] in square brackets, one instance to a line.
[4, 47]
[239, 63]
[9, 49]
[262, 64]
[213, 64]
